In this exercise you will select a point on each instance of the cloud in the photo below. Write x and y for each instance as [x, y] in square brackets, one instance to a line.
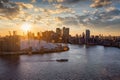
[33, 1]
[60, 6]
[24, 5]
[111, 16]
[98, 19]
[68, 21]
[72, 1]
[8, 11]
[58, 9]
[100, 3]
[20, 11]
[4, 0]
[63, 1]
[12, 10]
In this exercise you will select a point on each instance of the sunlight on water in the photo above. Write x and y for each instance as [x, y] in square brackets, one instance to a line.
[84, 63]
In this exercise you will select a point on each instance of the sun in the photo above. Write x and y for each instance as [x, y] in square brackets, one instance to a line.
[26, 27]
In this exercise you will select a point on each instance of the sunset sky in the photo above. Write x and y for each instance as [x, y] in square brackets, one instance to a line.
[100, 16]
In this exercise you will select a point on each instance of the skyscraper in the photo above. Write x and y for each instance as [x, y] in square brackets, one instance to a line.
[65, 34]
[58, 31]
[87, 37]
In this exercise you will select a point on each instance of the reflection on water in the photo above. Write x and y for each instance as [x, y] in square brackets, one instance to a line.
[85, 63]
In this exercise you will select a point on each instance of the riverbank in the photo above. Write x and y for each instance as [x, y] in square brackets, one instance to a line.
[90, 44]
[42, 51]
[28, 47]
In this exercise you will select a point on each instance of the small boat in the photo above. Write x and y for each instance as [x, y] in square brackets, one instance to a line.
[62, 60]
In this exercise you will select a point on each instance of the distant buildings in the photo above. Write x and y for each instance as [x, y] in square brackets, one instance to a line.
[12, 42]
[58, 35]
[30, 35]
[65, 35]
[87, 37]
[59, 32]
[48, 36]
[87, 34]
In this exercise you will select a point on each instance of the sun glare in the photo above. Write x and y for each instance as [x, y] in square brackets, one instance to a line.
[26, 27]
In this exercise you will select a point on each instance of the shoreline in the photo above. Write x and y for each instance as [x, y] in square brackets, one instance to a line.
[99, 45]
[45, 51]
[34, 52]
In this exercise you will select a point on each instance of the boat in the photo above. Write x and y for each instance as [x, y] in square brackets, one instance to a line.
[62, 60]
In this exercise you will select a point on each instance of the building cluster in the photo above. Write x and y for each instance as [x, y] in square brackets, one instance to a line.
[59, 36]
[12, 41]
[86, 38]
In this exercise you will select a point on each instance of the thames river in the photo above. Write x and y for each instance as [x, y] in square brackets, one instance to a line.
[85, 63]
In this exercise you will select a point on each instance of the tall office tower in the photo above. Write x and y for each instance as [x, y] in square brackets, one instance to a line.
[87, 37]
[58, 31]
[65, 34]
[83, 35]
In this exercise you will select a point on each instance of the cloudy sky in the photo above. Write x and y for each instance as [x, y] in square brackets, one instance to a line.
[100, 16]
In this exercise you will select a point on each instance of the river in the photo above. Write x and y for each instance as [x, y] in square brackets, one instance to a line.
[85, 63]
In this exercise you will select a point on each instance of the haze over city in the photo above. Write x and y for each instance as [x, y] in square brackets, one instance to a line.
[59, 39]
[100, 16]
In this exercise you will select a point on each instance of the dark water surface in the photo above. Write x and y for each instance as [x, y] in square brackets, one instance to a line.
[85, 63]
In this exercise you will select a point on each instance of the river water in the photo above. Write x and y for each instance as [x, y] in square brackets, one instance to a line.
[85, 63]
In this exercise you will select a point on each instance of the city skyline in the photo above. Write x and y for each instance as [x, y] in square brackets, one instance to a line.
[58, 29]
[99, 16]
[16, 42]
